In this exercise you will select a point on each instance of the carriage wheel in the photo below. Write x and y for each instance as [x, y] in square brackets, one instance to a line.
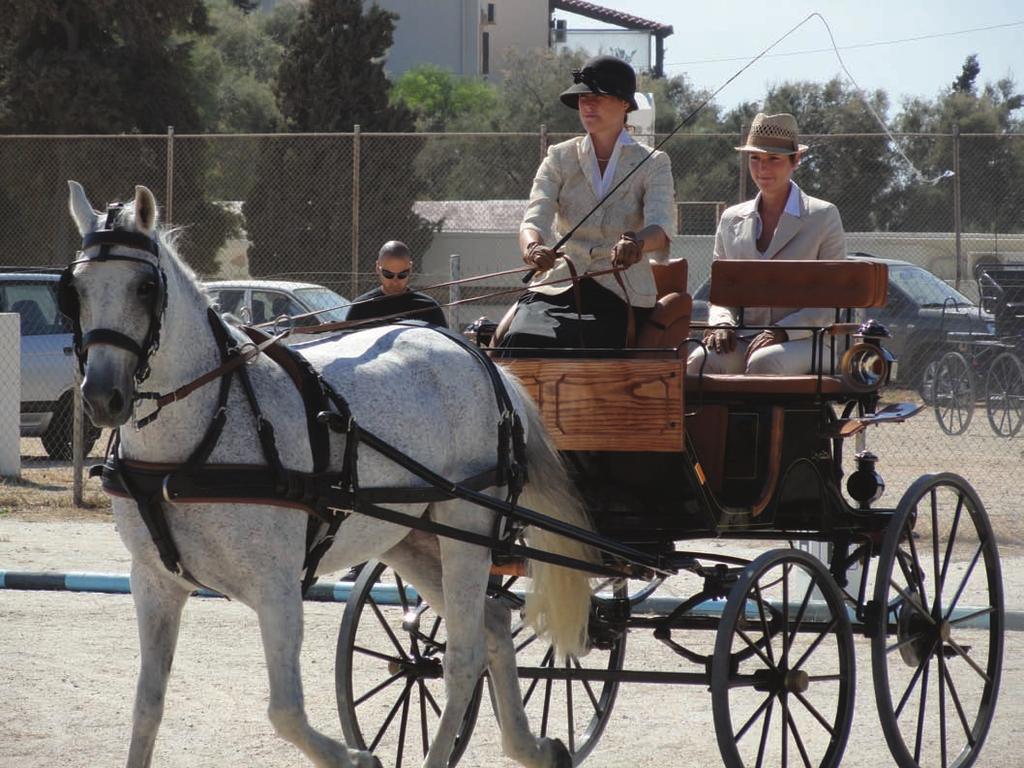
[1004, 394]
[388, 676]
[782, 676]
[954, 393]
[926, 384]
[560, 701]
[937, 653]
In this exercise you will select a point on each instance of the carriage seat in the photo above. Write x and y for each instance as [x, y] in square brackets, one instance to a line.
[668, 326]
[840, 285]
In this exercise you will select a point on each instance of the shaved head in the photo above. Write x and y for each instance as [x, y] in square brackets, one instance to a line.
[394, 249]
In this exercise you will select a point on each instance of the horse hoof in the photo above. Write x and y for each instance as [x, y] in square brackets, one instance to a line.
[563, 758]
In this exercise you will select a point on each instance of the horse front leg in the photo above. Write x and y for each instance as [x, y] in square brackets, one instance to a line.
[280, 619]
[159, 600]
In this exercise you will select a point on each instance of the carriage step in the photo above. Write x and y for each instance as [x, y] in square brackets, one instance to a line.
[891, 414]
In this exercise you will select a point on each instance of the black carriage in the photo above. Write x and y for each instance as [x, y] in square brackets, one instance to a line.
[664, 460]
[986, 369]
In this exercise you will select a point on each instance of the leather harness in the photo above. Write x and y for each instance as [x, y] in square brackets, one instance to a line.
[323, 494]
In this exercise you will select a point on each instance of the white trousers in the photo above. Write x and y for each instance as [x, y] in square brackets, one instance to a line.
[790, 358]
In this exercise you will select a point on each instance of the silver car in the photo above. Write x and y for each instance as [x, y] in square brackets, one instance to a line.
[261, 301]
[47, 359]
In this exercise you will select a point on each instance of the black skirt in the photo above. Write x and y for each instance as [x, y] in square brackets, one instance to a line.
[550, 322]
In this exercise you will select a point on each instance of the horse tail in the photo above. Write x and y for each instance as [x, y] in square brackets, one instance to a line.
[558, 603]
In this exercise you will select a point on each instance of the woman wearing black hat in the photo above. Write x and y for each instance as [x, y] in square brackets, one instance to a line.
[626, 231]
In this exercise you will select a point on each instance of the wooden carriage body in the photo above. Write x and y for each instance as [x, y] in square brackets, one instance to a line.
[660, 455]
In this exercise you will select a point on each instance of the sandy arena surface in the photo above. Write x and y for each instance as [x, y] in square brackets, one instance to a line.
[70, 662]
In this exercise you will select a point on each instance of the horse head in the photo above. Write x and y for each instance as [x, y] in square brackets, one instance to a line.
[114, 293]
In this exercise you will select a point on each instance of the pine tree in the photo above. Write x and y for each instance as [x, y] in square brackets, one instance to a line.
[299, 216]
[96, 66]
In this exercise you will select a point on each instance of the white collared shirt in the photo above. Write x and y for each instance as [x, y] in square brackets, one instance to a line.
[602, 184]
[792, 208]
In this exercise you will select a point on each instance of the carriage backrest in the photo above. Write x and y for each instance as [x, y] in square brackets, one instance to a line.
[1001, 287]
[670, 276]
[826, 284]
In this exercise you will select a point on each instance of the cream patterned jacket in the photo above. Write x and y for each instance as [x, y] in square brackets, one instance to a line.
[562, 195]
[817, 233]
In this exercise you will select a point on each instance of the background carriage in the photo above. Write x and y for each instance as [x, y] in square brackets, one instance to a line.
[986, 370]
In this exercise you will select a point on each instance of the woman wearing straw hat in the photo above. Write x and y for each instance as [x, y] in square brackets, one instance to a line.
[626, 231]
[781, 222]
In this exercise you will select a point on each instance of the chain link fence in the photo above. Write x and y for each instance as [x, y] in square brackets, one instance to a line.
[316, 208]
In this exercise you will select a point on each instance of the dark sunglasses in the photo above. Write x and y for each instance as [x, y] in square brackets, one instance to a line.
[387, 274]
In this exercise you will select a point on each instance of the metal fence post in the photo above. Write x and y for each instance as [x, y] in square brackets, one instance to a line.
[543, 140]
[355, 211]
[743, 166]
[77, 447]
[169, 196]
[956, 203]
[454, 291]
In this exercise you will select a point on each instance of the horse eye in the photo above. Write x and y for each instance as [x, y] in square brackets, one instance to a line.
[147, 290]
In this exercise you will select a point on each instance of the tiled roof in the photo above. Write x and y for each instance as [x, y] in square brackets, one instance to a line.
[610, 15]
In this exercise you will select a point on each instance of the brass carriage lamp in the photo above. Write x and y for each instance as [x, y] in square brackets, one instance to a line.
[867, 365]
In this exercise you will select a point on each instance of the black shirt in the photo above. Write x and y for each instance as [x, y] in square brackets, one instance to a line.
[418, 305]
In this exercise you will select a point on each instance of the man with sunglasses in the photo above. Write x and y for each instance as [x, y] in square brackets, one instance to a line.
[393, 297]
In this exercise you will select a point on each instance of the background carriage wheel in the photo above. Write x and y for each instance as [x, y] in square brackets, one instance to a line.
[388, 676]
[782, 676]
[954, 393]
[937, 654]
[560, 702]
[1004, 394]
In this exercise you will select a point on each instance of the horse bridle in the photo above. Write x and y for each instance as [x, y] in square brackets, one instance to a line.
[67, 297]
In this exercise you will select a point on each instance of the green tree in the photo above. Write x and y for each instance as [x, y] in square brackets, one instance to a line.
[441, 100]
[236, 66]
[991, 163]
[95, 66]
[299, 215]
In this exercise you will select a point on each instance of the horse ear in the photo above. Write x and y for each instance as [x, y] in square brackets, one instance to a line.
[145, 210]
[81, 209]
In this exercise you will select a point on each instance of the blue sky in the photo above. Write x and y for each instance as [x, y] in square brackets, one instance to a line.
[707, 32]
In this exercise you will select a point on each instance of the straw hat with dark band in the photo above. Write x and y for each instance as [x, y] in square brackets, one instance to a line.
[773, 134]
[604, 75]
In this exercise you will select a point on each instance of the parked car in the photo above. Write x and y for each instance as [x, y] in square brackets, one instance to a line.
[925, 316]
[47, 359]
[260, 301]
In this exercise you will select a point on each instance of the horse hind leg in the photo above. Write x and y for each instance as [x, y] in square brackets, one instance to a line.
[517, 741]
[280, 620]
[158, 604]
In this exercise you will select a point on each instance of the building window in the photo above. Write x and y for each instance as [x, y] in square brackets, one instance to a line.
[485, 55]
[490, 13]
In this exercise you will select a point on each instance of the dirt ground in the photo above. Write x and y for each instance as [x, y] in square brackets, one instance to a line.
[70, 662]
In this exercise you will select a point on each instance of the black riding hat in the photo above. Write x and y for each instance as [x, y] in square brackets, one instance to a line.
[604, 74]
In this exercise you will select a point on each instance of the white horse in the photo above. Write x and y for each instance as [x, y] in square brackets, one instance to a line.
[411, 386]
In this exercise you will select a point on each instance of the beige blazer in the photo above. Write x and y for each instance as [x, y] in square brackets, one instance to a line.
[817, 233]
[562, 195]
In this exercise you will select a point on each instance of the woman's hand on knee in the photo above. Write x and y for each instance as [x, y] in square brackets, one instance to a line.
[766, 338]
[722, 340]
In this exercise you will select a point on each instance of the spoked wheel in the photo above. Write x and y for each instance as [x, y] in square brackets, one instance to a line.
[937, 653]
[782, 677]
[562, 695]
[1004, 394]
[954, 393]
[926, 384]
[388, 676]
